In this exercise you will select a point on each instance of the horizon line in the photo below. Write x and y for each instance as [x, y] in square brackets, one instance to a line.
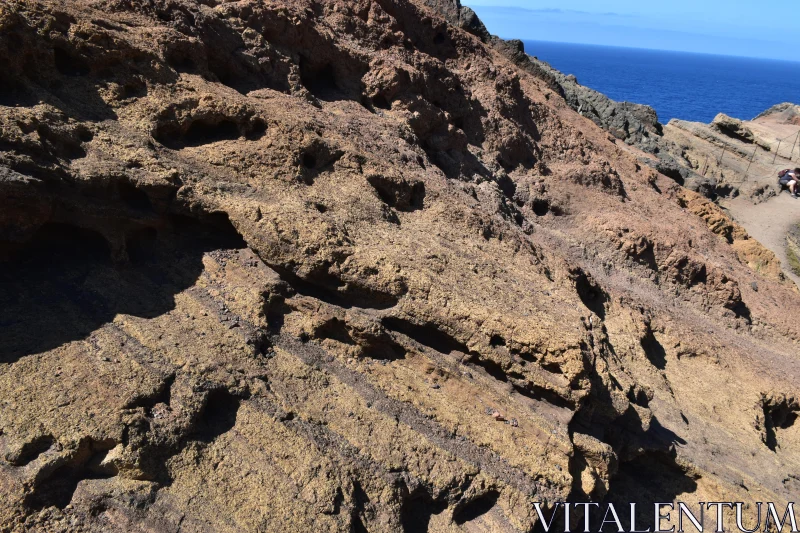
[649, 49]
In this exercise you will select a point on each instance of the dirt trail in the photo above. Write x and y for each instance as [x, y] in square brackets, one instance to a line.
[768, 222]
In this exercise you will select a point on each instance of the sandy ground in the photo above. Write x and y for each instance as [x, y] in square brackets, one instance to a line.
[768, 222]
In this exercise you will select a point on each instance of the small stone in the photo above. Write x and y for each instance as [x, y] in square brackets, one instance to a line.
[754, 285]
[435, 386]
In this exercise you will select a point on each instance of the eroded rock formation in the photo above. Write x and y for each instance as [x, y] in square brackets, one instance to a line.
[732, 157]
[343, 266]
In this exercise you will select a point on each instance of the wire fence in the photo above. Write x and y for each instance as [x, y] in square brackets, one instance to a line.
[767, 157]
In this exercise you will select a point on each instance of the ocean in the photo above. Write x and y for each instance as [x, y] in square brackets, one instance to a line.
[677, 84]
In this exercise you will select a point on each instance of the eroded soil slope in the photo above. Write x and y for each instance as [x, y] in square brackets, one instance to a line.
[340, 266]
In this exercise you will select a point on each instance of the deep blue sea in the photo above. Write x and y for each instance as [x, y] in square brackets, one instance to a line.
[677, 84]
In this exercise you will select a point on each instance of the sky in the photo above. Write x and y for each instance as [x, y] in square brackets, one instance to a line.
[750, 28]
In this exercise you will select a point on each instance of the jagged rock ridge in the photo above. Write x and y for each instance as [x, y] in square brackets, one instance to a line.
[291, 266]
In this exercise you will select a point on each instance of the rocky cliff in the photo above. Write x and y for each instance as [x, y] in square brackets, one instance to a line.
[736, 163]
[346, 266]
[734, 156]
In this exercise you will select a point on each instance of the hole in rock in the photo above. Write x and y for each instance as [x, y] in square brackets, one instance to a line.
[309, 161]
[335, 329]
[134, 197]
[553, 368]
[201, 132]
[332, 290]
[85, 136]
[320, 81]
[780, 414]
[592, 296]
[475, 509]
[399, 193]
[68, 64]
[425, 334]
[218, 416]
[257, 130]
[493, 368]
[141, 245]
[540, 207]
[416, 512]
[497, 340]
[380, 102]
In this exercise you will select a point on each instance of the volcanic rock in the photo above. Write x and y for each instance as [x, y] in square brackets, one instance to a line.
[241, 241]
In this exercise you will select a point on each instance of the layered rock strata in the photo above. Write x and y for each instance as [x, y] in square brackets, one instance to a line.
[326, 265]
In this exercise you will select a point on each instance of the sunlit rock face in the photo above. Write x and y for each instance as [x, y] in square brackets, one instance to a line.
[344, 266]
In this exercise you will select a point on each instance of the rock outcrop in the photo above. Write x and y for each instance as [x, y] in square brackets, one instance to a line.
[786, 113]
[734, 156]
[344, 266]
[635, 124]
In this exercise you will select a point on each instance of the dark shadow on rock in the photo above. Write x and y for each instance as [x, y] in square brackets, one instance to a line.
[157, 443]
[57, 488]
[331, 289]
[590, 293]
[651, 477]
[218, 416]
[361, 503]
[627, 433]
[416, 512]
[779, 413]
[399, 193]
[335, 77]
[655, 352]
[741, 310]
[476, 508]
[316, 159]
[428, 335]
[644, 468]
[63, 284]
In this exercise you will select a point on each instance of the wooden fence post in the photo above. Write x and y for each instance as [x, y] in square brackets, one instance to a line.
[746, 172]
